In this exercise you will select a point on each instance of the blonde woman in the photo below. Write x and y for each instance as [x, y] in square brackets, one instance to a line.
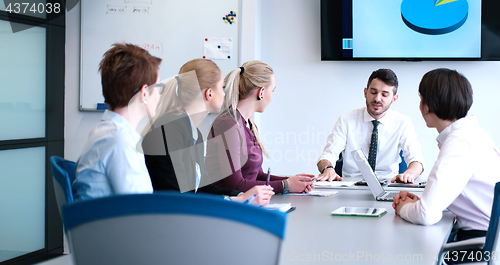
[173, 145]
[234, 148]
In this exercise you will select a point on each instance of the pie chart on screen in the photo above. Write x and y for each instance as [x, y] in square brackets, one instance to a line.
[434, 17]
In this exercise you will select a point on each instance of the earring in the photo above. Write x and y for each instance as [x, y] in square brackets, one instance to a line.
[259, 98]
[145, 103]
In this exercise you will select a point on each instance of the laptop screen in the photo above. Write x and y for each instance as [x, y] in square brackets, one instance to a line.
[367, 172]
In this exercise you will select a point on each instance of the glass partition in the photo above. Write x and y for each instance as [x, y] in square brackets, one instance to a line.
[22, 104]
[22, 201]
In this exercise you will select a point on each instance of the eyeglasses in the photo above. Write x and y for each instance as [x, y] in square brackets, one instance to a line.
[160, 86]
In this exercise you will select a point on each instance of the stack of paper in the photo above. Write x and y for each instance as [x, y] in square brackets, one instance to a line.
[333, 184]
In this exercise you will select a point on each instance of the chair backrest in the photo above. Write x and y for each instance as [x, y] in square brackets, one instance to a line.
[172, 228]
[491, 242]
[402, 164]
[338, 165]
[63, 172]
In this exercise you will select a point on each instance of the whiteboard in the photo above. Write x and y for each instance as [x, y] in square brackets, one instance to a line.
[173, 30]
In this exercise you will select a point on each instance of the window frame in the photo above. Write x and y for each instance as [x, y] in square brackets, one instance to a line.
[54, 125]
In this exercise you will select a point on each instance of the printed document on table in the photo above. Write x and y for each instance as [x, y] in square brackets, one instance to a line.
[333, 184]
[317, 193]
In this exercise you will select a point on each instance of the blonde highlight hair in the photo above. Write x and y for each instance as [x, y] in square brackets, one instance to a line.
[194, 76]
[240, 83]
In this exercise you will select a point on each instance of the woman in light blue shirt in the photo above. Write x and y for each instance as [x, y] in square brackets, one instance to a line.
[110, 163]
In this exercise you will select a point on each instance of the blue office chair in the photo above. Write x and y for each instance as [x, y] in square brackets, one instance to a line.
[340, 162]
[402, 165]
[172, 228]
[487, 244]
[64, 173]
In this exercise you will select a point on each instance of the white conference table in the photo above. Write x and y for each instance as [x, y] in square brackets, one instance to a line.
[313, 236]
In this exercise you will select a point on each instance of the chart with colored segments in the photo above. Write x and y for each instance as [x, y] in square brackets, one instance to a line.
[442, 2]
[434, 17]
[416, 29]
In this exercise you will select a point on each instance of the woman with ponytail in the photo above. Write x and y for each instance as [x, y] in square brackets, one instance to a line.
[234, 148]
[173, 145]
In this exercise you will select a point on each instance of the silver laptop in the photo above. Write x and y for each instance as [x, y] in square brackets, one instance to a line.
[371, 179]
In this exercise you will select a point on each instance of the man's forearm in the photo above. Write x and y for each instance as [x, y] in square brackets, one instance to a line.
[322, 164]
[415, 168]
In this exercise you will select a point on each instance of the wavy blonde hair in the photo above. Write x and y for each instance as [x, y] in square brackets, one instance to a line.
[240, 83]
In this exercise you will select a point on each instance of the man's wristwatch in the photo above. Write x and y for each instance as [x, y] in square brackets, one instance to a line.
[328, 166]
[285, 187]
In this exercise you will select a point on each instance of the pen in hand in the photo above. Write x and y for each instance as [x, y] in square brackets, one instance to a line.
[268, 176]
[250, 199]
[267, 183]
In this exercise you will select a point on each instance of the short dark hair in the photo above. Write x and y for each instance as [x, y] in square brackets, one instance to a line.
[446, 93]
[385, 75]
[124, 68]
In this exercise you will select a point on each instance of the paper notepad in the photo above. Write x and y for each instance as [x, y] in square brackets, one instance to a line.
[283, 207]
[333, 184]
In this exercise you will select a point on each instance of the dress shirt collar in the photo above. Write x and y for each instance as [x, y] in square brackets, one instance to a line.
[194, 131]
[118, 119]
[387, 119]
[465, 122]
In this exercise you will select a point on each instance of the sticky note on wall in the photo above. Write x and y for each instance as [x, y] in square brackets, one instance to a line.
[217, 48]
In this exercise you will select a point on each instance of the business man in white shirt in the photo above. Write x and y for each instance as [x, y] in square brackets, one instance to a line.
[381, 134]
[464, 175]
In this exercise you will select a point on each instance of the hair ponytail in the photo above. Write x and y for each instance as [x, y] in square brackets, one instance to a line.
[232, 91]
[184, 88]
[167, 99]
[240, 83]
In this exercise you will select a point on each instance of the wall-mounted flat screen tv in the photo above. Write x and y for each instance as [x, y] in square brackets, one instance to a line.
[410, 30]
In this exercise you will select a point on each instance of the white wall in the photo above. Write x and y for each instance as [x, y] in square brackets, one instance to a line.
[312, 94]
[78, 124]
